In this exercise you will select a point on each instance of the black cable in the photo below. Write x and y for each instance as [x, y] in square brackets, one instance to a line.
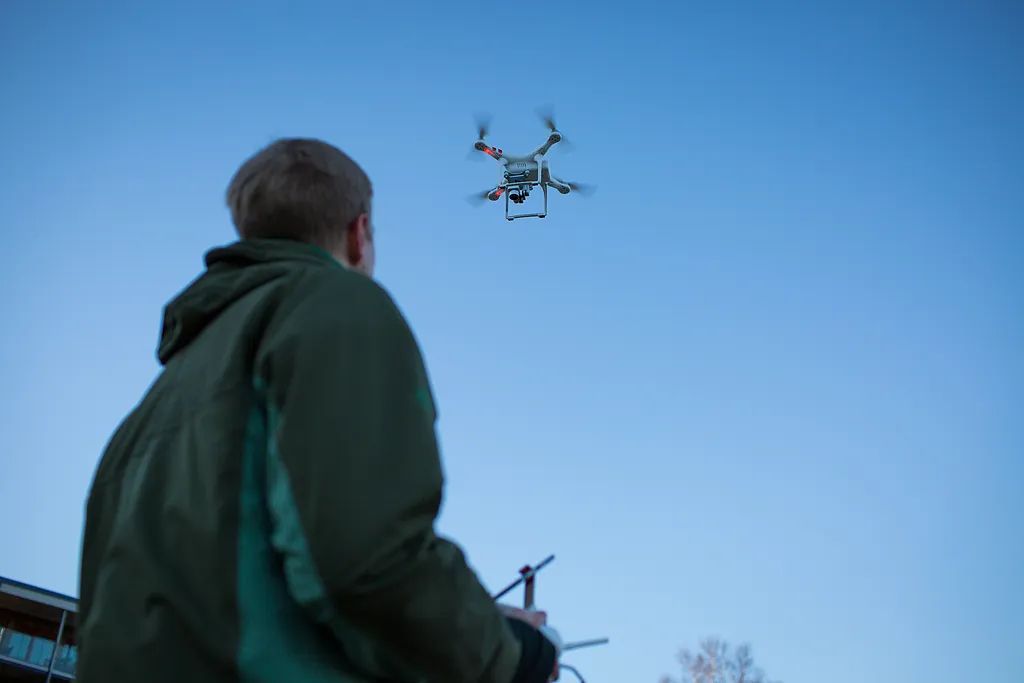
[573, 670]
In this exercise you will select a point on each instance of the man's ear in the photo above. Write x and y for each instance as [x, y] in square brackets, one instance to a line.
[357, 236]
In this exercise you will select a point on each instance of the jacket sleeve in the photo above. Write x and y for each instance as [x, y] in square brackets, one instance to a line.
[355, 484]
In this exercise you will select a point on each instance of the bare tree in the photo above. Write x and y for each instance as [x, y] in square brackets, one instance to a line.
[716, 662]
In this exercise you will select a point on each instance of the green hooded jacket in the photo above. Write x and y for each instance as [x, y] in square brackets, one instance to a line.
[266, 512]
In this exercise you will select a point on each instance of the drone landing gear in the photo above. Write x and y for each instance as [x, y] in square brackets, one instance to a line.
[518, 192]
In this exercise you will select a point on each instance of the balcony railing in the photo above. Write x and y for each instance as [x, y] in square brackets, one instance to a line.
[37, 652]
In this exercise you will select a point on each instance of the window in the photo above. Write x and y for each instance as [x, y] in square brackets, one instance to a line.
[67, 657]
[14, 644]
[40, 652]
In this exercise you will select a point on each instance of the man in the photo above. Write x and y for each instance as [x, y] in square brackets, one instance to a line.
[266, 513]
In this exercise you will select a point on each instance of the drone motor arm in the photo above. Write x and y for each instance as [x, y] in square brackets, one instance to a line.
[564, 188]
[554, 138]
[493, 152]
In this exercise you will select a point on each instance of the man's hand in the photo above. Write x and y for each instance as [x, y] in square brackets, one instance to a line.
[534, 618]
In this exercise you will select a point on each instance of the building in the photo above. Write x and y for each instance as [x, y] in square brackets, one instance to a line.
[37, 634]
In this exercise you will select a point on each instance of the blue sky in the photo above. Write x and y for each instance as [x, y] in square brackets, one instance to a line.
[764, 384]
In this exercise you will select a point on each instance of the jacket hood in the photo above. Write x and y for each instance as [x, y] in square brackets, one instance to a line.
[231, 272]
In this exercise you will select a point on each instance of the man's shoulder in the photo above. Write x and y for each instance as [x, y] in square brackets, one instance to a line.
[337, 314]
[338, 297]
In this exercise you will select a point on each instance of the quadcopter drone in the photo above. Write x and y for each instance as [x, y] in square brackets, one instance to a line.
[520, 174]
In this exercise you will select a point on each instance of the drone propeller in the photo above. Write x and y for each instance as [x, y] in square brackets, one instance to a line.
[483, 125]
[547, 116]
[480, 197]
[565, 144]
[582, 188]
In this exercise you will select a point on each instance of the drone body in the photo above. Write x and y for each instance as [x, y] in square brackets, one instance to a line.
[521, 174]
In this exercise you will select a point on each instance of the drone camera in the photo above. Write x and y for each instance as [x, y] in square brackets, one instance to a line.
[519, 195]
